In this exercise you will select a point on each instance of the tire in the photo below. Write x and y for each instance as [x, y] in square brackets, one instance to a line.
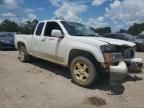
[84, 76]
[23, 55]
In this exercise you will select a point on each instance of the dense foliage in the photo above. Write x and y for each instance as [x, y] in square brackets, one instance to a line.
[133, 30]
[29, 26]
[25, 28]
[136, 29]
[102, 31]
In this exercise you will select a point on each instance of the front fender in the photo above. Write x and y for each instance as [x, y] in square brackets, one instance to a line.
[94, 50]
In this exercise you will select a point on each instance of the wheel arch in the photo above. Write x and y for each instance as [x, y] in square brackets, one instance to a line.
[19, 44]
[78, 52]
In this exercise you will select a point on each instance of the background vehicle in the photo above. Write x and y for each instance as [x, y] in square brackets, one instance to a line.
[76, 46]
[123, 36]
[6, 40]
[141, 37]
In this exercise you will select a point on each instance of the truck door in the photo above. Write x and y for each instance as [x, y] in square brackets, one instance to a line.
[53, 48]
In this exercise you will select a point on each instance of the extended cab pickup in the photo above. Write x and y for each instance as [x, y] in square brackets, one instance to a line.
[76, 46]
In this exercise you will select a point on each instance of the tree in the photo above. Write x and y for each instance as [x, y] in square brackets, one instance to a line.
[136, 29]
[103, 30]
[25, 28]
[122, 31]
[28, 27]
[9, 26]
[34, 24]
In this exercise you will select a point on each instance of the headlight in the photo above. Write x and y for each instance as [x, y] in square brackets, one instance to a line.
[108, 48]
[112, 57]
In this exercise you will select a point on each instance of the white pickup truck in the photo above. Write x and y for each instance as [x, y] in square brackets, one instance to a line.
[76, 46]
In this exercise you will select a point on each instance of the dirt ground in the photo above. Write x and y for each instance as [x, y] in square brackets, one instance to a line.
[40, 84]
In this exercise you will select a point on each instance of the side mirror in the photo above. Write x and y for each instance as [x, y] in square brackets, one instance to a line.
[57, 33]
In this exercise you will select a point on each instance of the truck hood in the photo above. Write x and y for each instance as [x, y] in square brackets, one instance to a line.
[115, 41]
[102, 41]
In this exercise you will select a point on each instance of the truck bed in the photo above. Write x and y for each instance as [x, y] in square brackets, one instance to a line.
[23, 38]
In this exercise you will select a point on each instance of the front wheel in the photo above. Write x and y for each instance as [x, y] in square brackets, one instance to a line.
[83, 71]
[23, 55]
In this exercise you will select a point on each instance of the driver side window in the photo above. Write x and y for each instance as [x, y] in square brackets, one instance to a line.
[51, 26]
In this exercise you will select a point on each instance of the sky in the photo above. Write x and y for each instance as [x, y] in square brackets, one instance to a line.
[118, 14]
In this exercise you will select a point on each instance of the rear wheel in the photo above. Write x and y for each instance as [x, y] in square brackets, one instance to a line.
[83, 71]
[23, 55]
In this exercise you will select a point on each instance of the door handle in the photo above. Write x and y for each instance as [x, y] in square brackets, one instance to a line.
[51, 39]
[44, 39]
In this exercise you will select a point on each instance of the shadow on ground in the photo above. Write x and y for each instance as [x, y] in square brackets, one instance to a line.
[102, 84]
[133, 78]
[57, 69]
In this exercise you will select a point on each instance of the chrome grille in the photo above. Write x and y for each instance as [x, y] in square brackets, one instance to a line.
[128, 53]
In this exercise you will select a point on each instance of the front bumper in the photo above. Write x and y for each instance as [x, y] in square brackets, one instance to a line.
[135, 64]
[126, 65]
[119, 67]
[118, 73]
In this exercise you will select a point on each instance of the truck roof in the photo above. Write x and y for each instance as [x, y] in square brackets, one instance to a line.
[57, 20]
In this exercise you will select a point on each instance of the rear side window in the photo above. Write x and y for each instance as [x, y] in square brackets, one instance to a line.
[39, 29]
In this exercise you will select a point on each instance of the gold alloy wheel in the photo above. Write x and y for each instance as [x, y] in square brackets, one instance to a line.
[81, 71]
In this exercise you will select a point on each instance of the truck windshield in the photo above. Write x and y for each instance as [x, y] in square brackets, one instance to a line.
[77, 29]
